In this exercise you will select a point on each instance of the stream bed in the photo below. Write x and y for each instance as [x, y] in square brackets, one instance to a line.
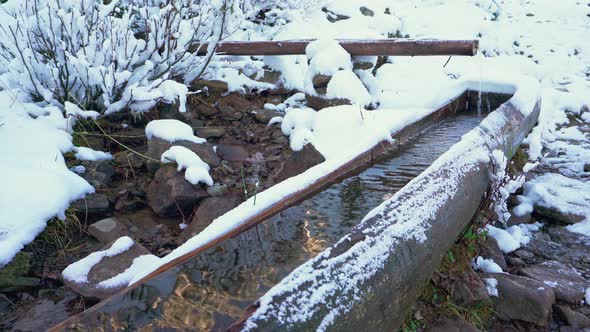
[211, 291]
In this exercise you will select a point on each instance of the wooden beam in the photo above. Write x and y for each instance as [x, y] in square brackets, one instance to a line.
[359, 47]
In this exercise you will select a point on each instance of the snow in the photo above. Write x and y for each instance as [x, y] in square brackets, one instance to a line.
[485, 265]
[171, 130]
[84, 153]
[513, 237]
[491, 286]
[75, 111]
[36, 182]
[122, 279]
[587, 297]
[346, 85]
[557, 192]
[196, 169]
[78, 271]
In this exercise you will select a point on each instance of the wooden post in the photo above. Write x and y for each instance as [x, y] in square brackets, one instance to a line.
[359, 47]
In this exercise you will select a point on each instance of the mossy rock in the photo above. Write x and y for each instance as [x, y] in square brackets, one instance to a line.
[13, 276]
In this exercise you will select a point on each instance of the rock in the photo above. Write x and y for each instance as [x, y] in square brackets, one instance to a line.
[366, 11]
[43, 313]
[318, 103]
[515, 261]
[206, 110]
[209, 209]
[362, 65]
[170, 194]
[107, 268]
[321, 81]
[572, 318]
[333, 17]
[527, 218]
[97, 179]
[233, 106]
[554, 213]
[209, 87]
[569, 286]
[298, 162]
[524, 254]
[233, 152]
[469, 289]
[492, 251]
[587, 168]
[92, 204]
[108, 230]
[211, 132]
[157, 146]
[523, 299]
[217, 189]
[13, 276]
[264, 116]
[451, 324]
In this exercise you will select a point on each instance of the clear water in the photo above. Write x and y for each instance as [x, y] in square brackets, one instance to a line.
[212, 290]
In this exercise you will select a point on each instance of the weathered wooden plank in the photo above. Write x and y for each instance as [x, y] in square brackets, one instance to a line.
[359, 47]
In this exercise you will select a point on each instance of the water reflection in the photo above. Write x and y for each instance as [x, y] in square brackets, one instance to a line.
[211, 291]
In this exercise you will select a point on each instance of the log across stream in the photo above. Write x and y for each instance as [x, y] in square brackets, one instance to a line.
[212, 290]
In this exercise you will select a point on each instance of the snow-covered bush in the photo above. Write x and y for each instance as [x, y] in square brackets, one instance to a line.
[108, 55]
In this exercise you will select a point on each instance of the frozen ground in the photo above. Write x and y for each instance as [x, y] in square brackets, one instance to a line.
[546, 40]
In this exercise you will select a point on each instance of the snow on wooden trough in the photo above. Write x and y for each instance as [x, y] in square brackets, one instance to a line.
[371, 277]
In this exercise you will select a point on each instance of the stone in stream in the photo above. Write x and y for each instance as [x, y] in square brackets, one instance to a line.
[41, 314]
[171, 194]
[108, 230]
[523, 299]
[574, 319]
[209, 209]
[298, 162]
[454, 324]
[92, 204]
[569, 286]
[491, 250]
[106, 268]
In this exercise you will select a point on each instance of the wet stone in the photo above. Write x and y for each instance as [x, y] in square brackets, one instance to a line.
[209, 209]
[108, 230]
[523, 299]
[566, 282]
[299, 161]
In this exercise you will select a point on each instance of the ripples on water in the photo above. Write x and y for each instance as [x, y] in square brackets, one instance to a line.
[212, 290]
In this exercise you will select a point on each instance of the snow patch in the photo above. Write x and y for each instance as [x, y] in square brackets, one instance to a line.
[171, 130]
[513, 237]
[196, 169]
[485, 265]
[491, 286]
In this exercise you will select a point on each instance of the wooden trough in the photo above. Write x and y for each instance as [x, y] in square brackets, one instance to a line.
[392, 290]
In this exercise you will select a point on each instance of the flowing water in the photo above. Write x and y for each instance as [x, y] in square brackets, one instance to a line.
[211, 291]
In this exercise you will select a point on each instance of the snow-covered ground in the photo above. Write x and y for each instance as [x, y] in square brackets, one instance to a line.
[546, 40]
